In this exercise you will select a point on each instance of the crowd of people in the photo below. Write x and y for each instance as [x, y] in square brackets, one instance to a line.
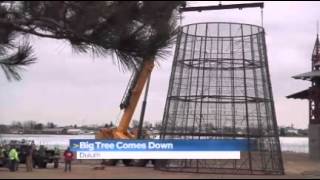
[11, 154]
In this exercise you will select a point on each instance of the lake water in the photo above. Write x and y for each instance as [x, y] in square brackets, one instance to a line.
[292, 144]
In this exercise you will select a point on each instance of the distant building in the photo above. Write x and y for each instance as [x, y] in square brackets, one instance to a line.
[74, 131]
[292, 131]
[16, 131]
[52, 131]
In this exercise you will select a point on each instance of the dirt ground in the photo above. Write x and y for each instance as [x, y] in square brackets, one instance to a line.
[296, 166]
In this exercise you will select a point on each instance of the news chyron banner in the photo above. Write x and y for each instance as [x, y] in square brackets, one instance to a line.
[158, 149]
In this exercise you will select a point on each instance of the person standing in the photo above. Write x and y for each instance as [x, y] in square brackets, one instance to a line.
[56, 157]
[29, 158]
[6, 156]
[1, 151]
[68, 157]
[14, 159]
[2, 154]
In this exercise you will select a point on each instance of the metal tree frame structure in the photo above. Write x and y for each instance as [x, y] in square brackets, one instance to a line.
[220, 89]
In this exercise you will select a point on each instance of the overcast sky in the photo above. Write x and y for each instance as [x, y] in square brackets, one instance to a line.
[68, 88]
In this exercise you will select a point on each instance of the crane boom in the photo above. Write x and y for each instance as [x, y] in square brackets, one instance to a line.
[131, 84]
[121, 131]
[144, 74]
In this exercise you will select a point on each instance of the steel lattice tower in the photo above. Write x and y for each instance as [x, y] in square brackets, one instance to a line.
[313, 95]
[220, 89]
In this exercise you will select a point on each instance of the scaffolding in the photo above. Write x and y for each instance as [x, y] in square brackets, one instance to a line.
[220, 89]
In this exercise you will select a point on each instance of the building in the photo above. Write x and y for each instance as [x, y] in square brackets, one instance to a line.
[292, 131]
[74, 131]
[52, 131]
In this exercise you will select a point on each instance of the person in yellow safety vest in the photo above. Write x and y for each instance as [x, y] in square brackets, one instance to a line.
[14, 159]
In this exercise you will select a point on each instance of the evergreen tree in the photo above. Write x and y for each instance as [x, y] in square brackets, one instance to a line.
[132, 30]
